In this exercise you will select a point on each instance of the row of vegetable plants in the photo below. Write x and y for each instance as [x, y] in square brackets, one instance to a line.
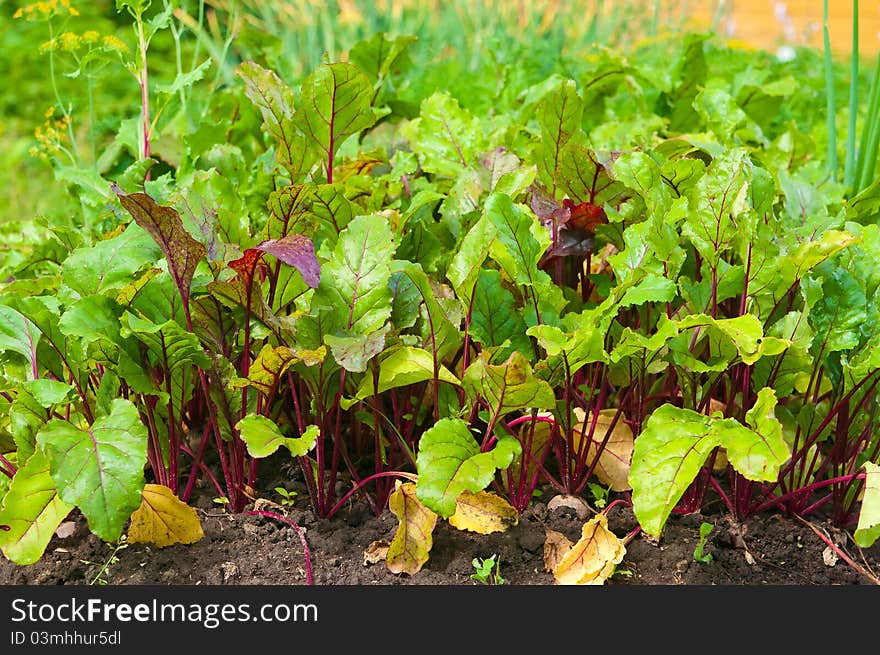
[619, 277]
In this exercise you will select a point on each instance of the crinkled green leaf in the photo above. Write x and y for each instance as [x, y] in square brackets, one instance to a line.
[32, 510]
[354, 351]
[354, 278]
[29, 412]
[17, 334]
[520, 241]
[652, 288]
[289, 210]
[744, 332]
[263, 437]
[779, 273]
[449, 462]
[405, 301]
[726, 118]
[717, 203]
[840, 311]
[445, 137]
[507, 387]
[676, 442]
[585, 178]
[381, 54]
[759, 459]
[793, 368]
[100, 469]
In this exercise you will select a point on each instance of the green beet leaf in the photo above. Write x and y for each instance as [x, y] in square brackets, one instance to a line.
[380, 56]
[109, 264]
[667, 456]
[440, 335]
[585, 178]
[29, 412]
[263, 437]
[464, 269]
[404, 366]
[676, 442]
[559, 116]
[99, 469]
[354, 277]
[716, 205]
[520, 241]
[17, 334]
[275, 101]
[32, 510]
[354, 351]
[336, 103]
[745, 333]
[450, 462]
[868, 529]
[92, 318]
[494, 317]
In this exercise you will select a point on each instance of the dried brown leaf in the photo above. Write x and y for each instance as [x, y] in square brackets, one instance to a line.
[556, 546]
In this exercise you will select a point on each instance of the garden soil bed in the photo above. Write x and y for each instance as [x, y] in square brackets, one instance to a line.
[768, 549]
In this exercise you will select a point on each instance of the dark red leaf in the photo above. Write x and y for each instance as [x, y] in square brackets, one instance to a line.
[162, 223]
[246, 265]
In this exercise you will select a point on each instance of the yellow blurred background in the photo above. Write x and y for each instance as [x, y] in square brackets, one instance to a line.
[774, 23]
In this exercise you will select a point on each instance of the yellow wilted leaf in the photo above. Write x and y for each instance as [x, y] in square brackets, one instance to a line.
[483, 512]
[412, 542]
[556, 546]
[593, 558]
[163, 519]
[614, 461]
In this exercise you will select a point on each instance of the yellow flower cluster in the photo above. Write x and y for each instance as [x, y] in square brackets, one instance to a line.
[51, 135]
[45, 10]
[91, 40]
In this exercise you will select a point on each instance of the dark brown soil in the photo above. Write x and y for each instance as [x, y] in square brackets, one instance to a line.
[769, 549]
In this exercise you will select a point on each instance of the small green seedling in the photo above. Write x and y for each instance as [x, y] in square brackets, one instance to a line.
[600, 494]
[699, 554]
[487, 570]
[100, 577]
[288, 498]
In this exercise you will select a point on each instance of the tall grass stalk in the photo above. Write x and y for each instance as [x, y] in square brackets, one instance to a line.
[850, 165]
[830, 103]
[867, 154]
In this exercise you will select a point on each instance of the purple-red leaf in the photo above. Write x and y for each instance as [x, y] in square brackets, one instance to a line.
[162, 223]
[298, 251]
